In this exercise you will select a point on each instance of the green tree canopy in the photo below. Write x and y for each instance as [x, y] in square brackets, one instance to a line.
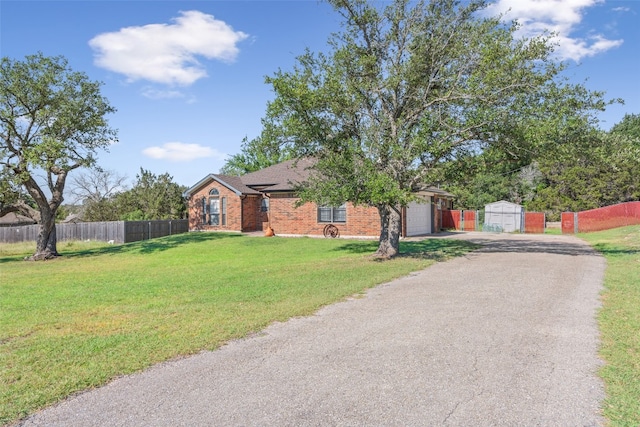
[52, 121]
[629, 126]
[151, 197]
[256, 154]
[598, 169]
[408, 87]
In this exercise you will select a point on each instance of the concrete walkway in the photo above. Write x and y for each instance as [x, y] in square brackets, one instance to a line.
[505, 336]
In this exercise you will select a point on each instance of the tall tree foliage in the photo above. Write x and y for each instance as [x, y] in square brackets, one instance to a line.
[105, 198]
[52, 122]
[597, 169]
[407, 88]
[152, 197]
[256, 154]
[628, 126]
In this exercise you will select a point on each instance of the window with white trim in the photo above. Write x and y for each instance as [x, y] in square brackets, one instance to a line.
[332, 213]
[214, 207]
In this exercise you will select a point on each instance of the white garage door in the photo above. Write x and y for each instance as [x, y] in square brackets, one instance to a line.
[418, 219]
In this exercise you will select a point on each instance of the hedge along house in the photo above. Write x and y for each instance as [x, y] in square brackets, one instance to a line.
[267, 198]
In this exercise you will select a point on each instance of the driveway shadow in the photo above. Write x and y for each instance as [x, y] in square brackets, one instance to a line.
[538, 244]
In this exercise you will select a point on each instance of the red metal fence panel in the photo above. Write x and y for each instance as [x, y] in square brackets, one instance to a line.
[469, 220]
[534, 222]
[451, 219]
[568, 223]
[608, 217]
[605, 218]
[459, 220]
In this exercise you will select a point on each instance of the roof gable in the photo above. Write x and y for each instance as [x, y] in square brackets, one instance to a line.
[233, 183]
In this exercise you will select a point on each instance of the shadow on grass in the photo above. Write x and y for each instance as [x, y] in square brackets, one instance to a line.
[613, 250]
[154, 245]
[434, 249]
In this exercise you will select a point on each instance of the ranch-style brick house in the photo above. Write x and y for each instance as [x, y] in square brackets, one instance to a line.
[267, 198]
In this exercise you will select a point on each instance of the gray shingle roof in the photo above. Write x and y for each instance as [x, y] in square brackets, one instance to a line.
[281, 177]
[235, 183]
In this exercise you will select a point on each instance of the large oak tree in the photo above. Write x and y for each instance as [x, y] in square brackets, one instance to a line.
[52, 121]
[408, 86]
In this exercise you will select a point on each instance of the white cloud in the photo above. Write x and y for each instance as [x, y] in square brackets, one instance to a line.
[561, 17]
[181, 152]
[152, 93]
[167, 53]
[621, 9]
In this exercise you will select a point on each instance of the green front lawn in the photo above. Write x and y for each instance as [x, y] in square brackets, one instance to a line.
[619, 322]
[98, 312]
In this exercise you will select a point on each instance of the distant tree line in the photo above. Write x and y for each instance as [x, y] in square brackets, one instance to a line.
[102, 196]
[581, 168]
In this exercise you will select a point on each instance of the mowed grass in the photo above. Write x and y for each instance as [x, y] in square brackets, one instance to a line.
[619, 321]
[99, 312]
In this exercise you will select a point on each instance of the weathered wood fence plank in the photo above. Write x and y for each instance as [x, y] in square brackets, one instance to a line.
[118, 231]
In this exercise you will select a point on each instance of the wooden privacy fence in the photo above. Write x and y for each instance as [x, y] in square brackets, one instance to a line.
[605, 218]
[118, 231]
[459, 220]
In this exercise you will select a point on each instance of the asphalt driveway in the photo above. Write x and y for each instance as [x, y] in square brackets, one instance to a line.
[505, 336]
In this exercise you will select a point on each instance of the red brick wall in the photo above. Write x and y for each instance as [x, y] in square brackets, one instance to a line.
[287, 219]
[234, 215]
[245, 214]
[253, 218]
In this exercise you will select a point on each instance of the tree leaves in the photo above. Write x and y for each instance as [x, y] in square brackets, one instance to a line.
[52, 121]
[411, 91]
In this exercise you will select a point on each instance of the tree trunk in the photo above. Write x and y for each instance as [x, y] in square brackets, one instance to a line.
[46, 246]
[390, 228]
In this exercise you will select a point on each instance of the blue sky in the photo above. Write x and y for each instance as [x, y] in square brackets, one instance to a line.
[187, 77]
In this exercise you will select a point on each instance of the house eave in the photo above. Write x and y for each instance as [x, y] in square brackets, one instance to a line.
[207, 179]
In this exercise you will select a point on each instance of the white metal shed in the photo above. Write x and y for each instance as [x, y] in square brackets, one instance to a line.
[503, 216]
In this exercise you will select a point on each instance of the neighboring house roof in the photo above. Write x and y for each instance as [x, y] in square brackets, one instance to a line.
[72, 218]
[13, 218]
